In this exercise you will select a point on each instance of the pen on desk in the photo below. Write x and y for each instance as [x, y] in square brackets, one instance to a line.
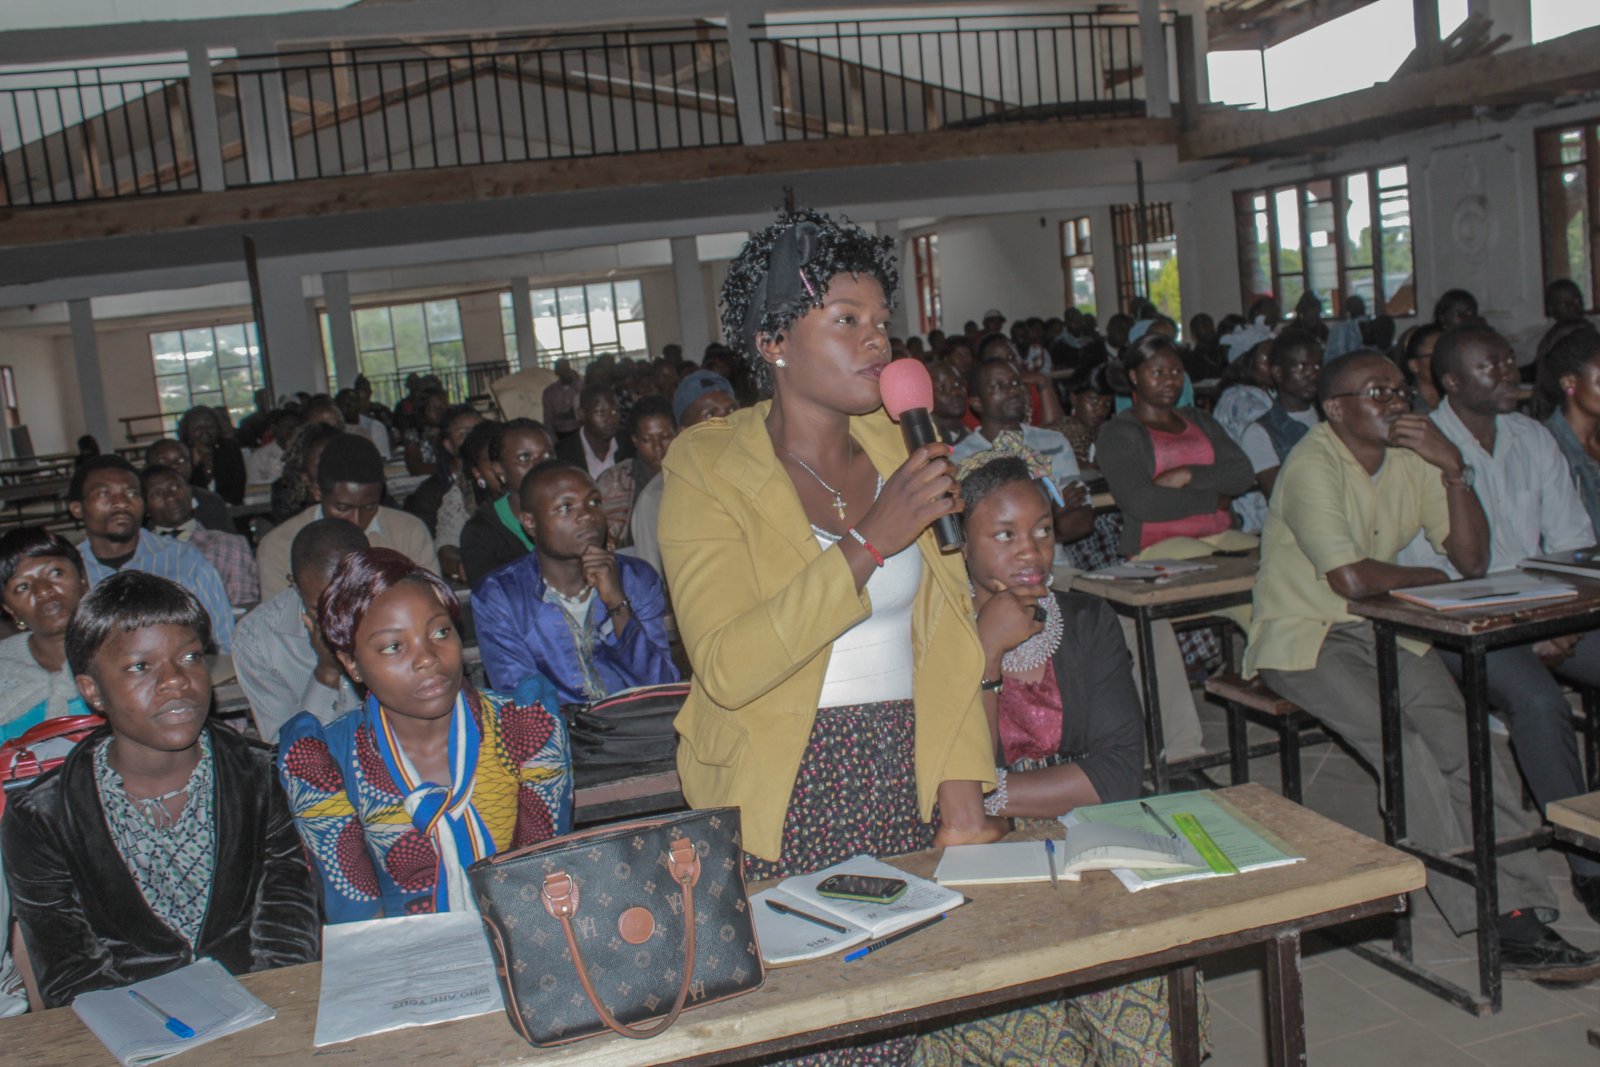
[172, 1022]
[1148, 810]
[1050, 854]
[784, 909]
[892, 938]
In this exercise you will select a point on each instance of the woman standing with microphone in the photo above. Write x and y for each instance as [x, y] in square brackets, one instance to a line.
[835, 697]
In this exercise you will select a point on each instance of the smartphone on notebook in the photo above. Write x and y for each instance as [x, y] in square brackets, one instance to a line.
[862, 887]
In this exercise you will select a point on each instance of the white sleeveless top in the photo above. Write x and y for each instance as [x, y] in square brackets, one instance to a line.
[871, 661]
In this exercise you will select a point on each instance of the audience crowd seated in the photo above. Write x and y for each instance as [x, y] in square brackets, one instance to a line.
[853, 689]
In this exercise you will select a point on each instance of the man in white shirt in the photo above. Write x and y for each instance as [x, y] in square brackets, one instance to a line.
[350, 487]
[1526, 488]
[596, 446]
[284, 665]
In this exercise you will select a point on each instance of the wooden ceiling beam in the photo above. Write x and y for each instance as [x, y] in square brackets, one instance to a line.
[1543, 72]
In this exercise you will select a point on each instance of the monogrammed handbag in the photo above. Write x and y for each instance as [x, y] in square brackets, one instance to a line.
[623, 927]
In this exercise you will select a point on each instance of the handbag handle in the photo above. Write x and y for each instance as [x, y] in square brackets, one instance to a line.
[560, 895]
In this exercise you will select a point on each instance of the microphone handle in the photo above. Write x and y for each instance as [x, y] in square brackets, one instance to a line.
[916, 426]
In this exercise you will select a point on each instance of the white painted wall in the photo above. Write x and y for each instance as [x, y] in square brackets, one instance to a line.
[1010, 262]
[47, 386]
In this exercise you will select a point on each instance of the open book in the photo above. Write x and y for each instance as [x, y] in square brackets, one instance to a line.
[1088, 847]
[790, 939]
[202, 996]
[1496, 590]
[1227, 840]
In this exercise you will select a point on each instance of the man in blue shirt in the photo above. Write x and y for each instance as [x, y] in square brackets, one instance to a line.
[106, 497]
[587, 619]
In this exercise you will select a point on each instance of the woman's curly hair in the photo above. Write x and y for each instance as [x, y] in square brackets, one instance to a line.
[839, 247]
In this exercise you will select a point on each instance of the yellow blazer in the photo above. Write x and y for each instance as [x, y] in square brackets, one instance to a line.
[759, 605]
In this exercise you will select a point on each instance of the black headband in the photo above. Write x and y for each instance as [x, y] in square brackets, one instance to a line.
[785, 286]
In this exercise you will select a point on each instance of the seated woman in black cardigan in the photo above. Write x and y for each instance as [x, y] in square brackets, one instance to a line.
[1066, 722]
[162, 838]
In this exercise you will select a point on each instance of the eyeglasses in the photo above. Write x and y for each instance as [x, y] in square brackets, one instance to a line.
[1380, 393]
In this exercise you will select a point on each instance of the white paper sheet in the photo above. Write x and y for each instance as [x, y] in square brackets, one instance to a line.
[388, 974]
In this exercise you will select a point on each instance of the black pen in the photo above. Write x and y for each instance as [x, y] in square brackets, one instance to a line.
[892, 938]
[784, 909]
[1148, 810]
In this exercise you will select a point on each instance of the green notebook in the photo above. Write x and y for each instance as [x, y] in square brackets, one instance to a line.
[1222, 834]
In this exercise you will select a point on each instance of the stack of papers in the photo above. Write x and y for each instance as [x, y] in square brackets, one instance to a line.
[1088, 846]
[1148, 570]
[413, 970]
[790, 939]
[1496, 590]
[1583, 562]
[203, 997]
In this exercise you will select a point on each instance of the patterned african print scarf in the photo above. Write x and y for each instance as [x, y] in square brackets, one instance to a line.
[1008, 445]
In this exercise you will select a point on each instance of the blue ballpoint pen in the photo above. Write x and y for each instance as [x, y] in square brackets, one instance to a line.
[172, 1022]
[1050, 854]
[907, 932]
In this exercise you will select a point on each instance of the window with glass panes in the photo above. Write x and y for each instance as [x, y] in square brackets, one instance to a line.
[1077, 264]
[925, 259]
[1334, 237]
[579, 322]
[399, 339]
[218, 366]
[1567, 201]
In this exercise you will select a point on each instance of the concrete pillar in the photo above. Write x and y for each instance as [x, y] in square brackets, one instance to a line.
[1153, 55]
[691, 297]
[1196, 10]
[203, 108]
[264, 116]
[91, 388]
[341, 328]
[522, 317]
[904, 322]
[1105, 263]
[294, 355]
[1425, 18]
[754, 102]
[1513, 17]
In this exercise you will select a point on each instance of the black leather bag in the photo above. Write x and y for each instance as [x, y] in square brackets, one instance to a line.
[621, 928]
[630, 729]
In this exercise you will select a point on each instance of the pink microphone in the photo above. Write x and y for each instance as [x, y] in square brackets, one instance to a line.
[907, 392]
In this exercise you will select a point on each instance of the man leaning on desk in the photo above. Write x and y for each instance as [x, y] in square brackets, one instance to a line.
[1351, 495]
[1533, 508]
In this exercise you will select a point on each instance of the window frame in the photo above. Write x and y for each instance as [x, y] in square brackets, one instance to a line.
[925, 265]
[399, 373]
[1543, 138]
[1076, 254]
[252, 363]
[547, 357]
[1244, 220]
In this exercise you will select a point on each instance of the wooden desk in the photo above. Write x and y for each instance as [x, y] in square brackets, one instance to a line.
[1010, 943]
[1229, 583]
[1473, 634]
[1577, 821]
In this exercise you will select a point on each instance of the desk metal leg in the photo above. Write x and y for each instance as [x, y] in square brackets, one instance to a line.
[1183, 1016]
[1394, 775]
[1286, 1014]
[1155, 736]
[1480, 767]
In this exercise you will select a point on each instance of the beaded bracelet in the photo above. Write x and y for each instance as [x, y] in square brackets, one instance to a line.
[877, 557]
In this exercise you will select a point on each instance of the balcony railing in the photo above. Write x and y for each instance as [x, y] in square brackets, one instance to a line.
[142, 129]
[911, 75]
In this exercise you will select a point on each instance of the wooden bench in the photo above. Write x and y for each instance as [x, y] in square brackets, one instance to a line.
[1251, 701]
[1577, 821]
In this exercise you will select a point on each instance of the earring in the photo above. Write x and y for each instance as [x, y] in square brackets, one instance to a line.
[1571, 391]
[779, 362]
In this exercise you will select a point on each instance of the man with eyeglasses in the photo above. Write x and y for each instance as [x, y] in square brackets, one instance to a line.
[1526, 489]
[1351, 495]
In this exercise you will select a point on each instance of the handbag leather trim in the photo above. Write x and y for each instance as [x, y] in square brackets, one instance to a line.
[561, 901]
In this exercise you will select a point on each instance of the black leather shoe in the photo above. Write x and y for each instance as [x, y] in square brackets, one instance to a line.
[1587, 889]
[1548, 958]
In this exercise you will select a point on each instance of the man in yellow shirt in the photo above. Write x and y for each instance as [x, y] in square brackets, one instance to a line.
[1349, 497]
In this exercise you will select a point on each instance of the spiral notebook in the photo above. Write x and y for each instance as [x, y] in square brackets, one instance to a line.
[202, 996]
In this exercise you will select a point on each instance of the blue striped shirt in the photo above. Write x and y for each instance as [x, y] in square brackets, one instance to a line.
[170, 558]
